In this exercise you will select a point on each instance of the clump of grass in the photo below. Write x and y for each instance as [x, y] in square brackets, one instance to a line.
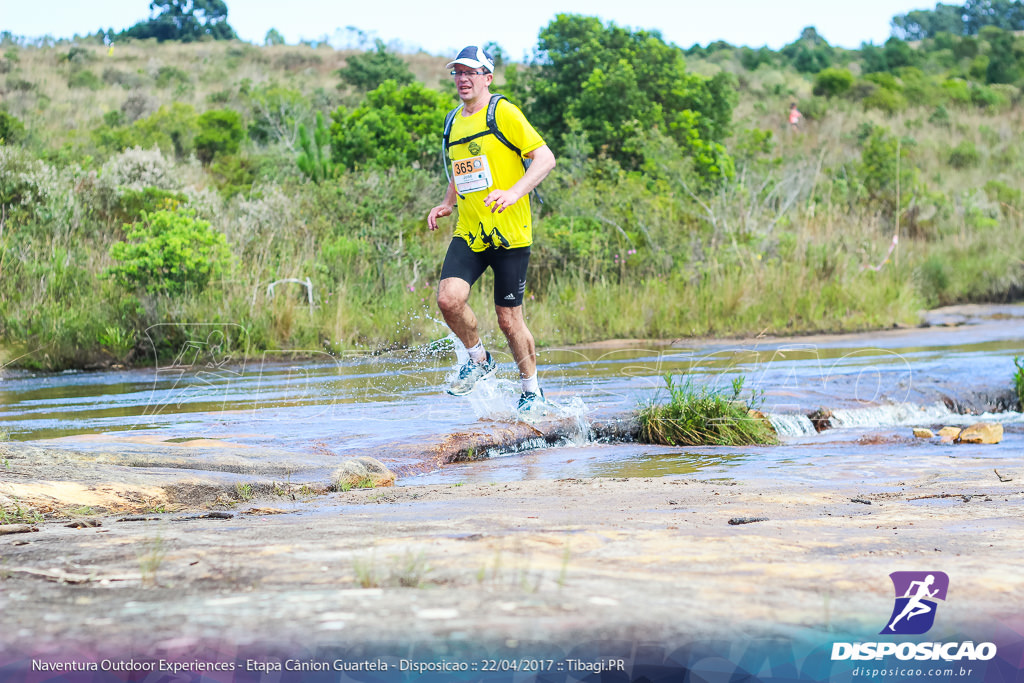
[366, 571]
[410, 570]
[151, 556]
[1018, 380]
[702, 416]
[346, 485]
[20, 515]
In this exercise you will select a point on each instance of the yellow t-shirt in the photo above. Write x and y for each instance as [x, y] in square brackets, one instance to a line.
[477, 225]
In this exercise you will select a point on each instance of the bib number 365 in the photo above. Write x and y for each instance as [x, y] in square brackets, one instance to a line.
[472, 174]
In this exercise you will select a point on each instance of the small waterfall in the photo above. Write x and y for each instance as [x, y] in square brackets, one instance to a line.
[894, 415]
[890, 415]
[790, 425]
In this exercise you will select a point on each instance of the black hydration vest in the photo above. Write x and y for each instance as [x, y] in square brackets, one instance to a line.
[492, 129]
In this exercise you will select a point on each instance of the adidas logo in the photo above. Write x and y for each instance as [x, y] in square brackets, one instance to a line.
[510, 297]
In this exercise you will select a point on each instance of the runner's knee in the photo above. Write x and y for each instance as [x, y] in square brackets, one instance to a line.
[451, 297]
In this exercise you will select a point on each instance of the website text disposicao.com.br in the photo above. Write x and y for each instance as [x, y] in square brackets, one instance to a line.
[951, 672]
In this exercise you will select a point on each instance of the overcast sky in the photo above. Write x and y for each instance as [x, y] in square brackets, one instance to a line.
[441, 28]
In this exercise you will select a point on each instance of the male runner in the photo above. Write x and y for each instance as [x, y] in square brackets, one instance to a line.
[494, 229]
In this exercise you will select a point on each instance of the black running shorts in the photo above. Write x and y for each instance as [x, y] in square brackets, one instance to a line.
[508, 266]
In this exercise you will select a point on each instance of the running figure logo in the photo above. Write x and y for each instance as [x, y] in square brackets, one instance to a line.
[916, 593]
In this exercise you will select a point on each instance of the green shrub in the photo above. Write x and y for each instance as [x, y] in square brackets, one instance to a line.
[275, 114]
[1007, 196]
[315, 158]
[83, 78]
[881, 156]
[220, 133]
[934, 279]
[940, 117]
[135, 204]
[368, 70]
[964, 155]
[169, 252]
[396, 126]
[833, 82]
[703, 417]
[167, 76]
[1018, 381]
[233, 174]
[989, 97]
[11, 129]
[957, 91]
[886, 100]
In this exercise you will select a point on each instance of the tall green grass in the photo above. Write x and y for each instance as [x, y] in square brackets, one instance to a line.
[703, 416]
[1018, 381]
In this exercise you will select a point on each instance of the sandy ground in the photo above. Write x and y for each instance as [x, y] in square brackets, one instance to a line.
[525, 568]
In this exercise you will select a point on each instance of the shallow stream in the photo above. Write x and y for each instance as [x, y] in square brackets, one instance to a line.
[956, 370]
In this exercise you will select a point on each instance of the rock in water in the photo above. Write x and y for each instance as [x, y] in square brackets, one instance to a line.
[821, 419]
[922, 433]
[949, 433]
[982, 432]
[363, 473]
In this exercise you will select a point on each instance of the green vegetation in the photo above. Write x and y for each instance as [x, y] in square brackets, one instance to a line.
[184, 20]
[151, 555]
[702, 416]
[368, 70]
[169, 253]
[186, 187]
[20, 515]
[1018, 381]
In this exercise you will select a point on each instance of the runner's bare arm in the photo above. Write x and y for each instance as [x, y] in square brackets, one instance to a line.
[445, 208]
[543, 161]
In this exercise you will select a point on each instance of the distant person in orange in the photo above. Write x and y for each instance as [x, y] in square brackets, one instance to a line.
[795, 117]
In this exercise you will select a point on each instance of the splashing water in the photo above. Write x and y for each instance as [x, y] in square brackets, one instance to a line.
[497, 398]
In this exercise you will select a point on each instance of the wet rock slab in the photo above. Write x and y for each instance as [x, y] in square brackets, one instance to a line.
[556, 562]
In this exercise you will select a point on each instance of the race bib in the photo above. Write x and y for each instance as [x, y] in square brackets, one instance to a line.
[472, 174]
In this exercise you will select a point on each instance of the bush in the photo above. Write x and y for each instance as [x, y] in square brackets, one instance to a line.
[220, 133]
[167, 76]
[998, 191]
[832, 82]
[83, 78]
[11, 129]
[395, 127]
[940, 117]
[957, 91]
[370, 69]
[964, 155]
[138, 169]
[169, 253]
[881, 156]
[886, 100]
[989, 97]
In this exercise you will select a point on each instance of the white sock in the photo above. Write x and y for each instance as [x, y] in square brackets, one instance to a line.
[530, 384]
[477, 353]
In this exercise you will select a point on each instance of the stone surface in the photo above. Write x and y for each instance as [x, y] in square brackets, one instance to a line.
[949, 432]
[982, 432]
[363, 472]
[821, 419]
[923, 433]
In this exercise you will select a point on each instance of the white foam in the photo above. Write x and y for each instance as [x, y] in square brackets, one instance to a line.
[889, 415]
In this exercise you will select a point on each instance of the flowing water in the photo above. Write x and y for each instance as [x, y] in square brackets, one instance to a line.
[955, 371]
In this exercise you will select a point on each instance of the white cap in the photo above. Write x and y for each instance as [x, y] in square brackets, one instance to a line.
[474, 57]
